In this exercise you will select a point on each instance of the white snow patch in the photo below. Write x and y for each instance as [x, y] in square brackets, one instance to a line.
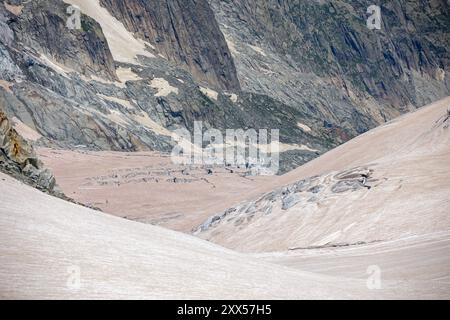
[117, 117]
[283, 147]
[273, 147]
[210, 93]
[304, 127]
[149, 45]
[233, 97]
[163, 86]
[124, 75]
[440, 74]
[123, 45]
[15, 10]
[122, 102]
[288, 147]
[231, 46]
[144, 119]
[59, 68]
[258, 50]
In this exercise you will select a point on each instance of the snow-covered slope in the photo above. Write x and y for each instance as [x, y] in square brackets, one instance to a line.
[47, 244]
[52, 249]
[389, 183]
[45, 241]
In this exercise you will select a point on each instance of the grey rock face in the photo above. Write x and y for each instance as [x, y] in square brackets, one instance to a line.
[290, 201]
[291, 65]
[9, 71]
[41, 25]
[184, 31]
[6, 34]
[320, 56]
[70, 111]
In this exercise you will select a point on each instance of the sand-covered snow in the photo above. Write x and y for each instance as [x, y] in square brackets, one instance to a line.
[326, 245]
[142, 186]
[406, 194]
[16, 10]
[50, 248]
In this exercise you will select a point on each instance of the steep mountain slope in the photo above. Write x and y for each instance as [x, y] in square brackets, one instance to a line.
[389, 183]
[185, 32]
[320, 55]
[137, 70]
[41, 25]
[67, 89]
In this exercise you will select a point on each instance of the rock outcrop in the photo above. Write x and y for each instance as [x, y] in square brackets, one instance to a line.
[18, 159]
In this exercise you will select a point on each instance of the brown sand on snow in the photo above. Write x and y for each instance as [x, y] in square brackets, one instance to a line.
[387, 142]
[120, 186]
[148, 187]
[46, 242]
[52, 249]
[41, 236]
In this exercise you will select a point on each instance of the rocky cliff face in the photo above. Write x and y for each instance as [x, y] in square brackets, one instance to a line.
[71, 108]
[309, 68]
[185, 32]
[41, 25]
[18, 159]
[320, 54]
